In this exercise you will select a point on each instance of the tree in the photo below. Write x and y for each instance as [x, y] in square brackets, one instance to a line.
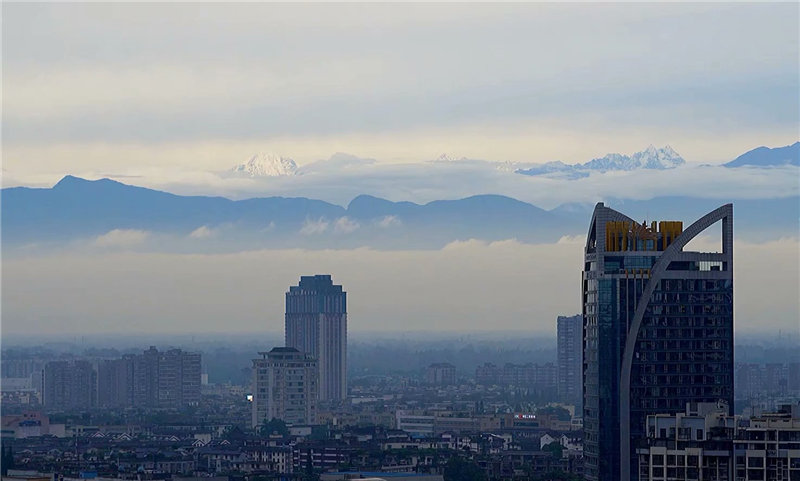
[459, 469]
[560, 413]
[557, 475]
[274, 426]
[555, 448]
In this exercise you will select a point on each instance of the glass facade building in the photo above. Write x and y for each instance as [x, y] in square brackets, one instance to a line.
[657, 330]
[316, 323]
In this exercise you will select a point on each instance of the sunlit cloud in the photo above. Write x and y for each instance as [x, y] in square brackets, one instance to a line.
[389, 221]
[121, 238]
[344, 225]
[314, 226]
[202, 232]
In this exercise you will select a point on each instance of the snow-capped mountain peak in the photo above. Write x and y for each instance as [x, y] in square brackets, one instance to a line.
[649, 158]
[653, 158]
[267, 165]
[445, 157]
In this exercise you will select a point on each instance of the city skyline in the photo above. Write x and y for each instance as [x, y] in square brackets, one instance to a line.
[380, 105]
[331, 241]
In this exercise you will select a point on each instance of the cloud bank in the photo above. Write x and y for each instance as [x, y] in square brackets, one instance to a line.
[468, 285]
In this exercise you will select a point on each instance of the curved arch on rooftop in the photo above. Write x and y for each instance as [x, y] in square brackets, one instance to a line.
[608, 214]
[673, 252]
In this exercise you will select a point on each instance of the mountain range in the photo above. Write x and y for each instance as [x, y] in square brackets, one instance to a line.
[76, 209]
[650, 158]
[263, 165]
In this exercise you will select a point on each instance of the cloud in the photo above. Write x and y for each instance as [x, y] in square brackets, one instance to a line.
[572, 239]
[389, 221]
[345, 225]
[337, 161]
[202, 232]
[133, 78]
[312, 227]
[121, 238]
[500, 285]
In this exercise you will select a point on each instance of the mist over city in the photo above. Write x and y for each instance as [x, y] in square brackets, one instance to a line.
[435, 242]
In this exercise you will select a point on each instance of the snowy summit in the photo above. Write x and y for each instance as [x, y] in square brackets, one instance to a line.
[267, 165]
[650, 158]
[445, 157]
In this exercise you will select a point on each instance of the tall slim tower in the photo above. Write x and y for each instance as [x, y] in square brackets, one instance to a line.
[316, 323]
[570, 360]
[658, 330]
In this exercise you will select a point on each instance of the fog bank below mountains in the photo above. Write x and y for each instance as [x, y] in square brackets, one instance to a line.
[465, 286]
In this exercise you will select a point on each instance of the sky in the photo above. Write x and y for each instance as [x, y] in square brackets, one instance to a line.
[136, 89]
[170, 95]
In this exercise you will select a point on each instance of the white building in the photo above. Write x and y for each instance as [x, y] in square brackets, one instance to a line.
[285, 387]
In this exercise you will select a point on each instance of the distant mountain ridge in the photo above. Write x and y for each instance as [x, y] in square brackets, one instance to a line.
[768, 157]
[79, 208]
[76, 208]
[650, 158]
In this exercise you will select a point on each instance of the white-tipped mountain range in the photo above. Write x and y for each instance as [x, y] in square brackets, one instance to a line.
[266, 165]
[650, 158]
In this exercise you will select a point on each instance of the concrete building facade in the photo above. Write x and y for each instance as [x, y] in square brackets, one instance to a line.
[570, 359]
[285, 387]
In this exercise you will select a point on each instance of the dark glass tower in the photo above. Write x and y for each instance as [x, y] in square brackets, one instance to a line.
[316, 323]
[657, 332]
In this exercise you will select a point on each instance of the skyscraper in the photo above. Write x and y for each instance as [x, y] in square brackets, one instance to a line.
[570, 359]
[69, 385]
[166, 379]
[115, 382]
[316, 323]
[285, 387]
[658, 330]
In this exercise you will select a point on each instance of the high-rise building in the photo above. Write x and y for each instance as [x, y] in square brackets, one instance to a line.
[570, 360]
[115, 383]
[285, 387]
[169, 379]
[191, 378]
[440, 374]
[658, 330]
[316, 323]
[69, 385]
[145, 378]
